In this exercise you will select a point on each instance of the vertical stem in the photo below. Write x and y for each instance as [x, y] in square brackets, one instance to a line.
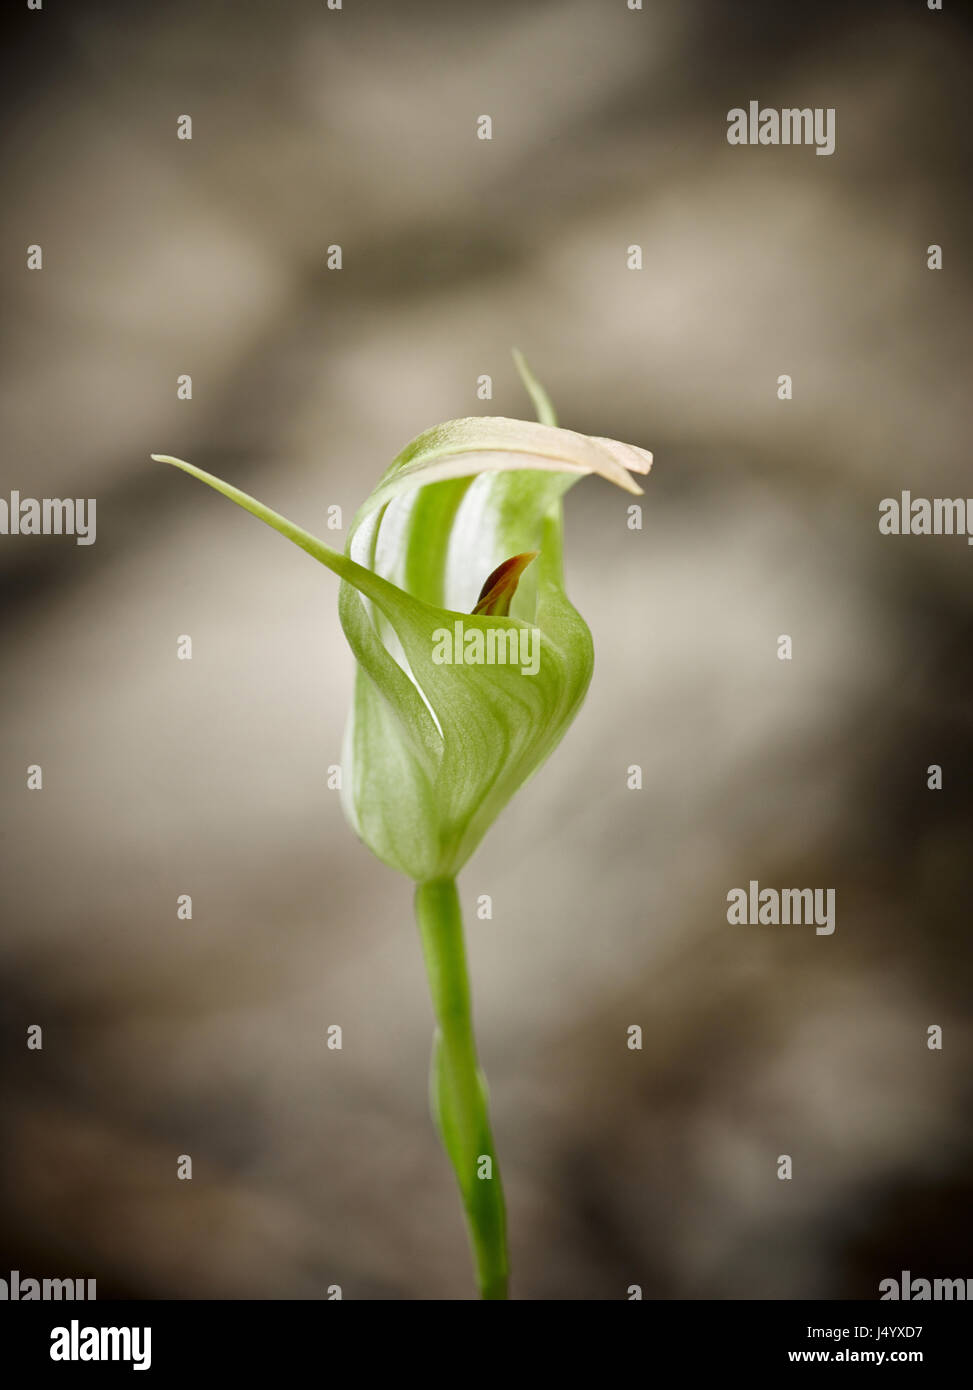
[458, 1089]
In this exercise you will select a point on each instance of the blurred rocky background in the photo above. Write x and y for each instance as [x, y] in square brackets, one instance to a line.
[162, 777]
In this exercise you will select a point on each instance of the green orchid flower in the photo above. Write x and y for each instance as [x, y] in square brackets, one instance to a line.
[471, 664]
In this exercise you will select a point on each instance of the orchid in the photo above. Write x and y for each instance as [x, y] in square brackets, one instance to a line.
[471, 665]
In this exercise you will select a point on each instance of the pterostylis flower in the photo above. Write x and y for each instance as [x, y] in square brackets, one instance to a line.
[471, 664]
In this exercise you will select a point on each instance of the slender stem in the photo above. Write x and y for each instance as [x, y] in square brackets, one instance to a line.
[457, 1086]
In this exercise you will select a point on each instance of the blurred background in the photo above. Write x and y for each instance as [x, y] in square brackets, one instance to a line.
[162, 777]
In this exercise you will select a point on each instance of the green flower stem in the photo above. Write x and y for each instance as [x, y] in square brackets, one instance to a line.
[457, 1087]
